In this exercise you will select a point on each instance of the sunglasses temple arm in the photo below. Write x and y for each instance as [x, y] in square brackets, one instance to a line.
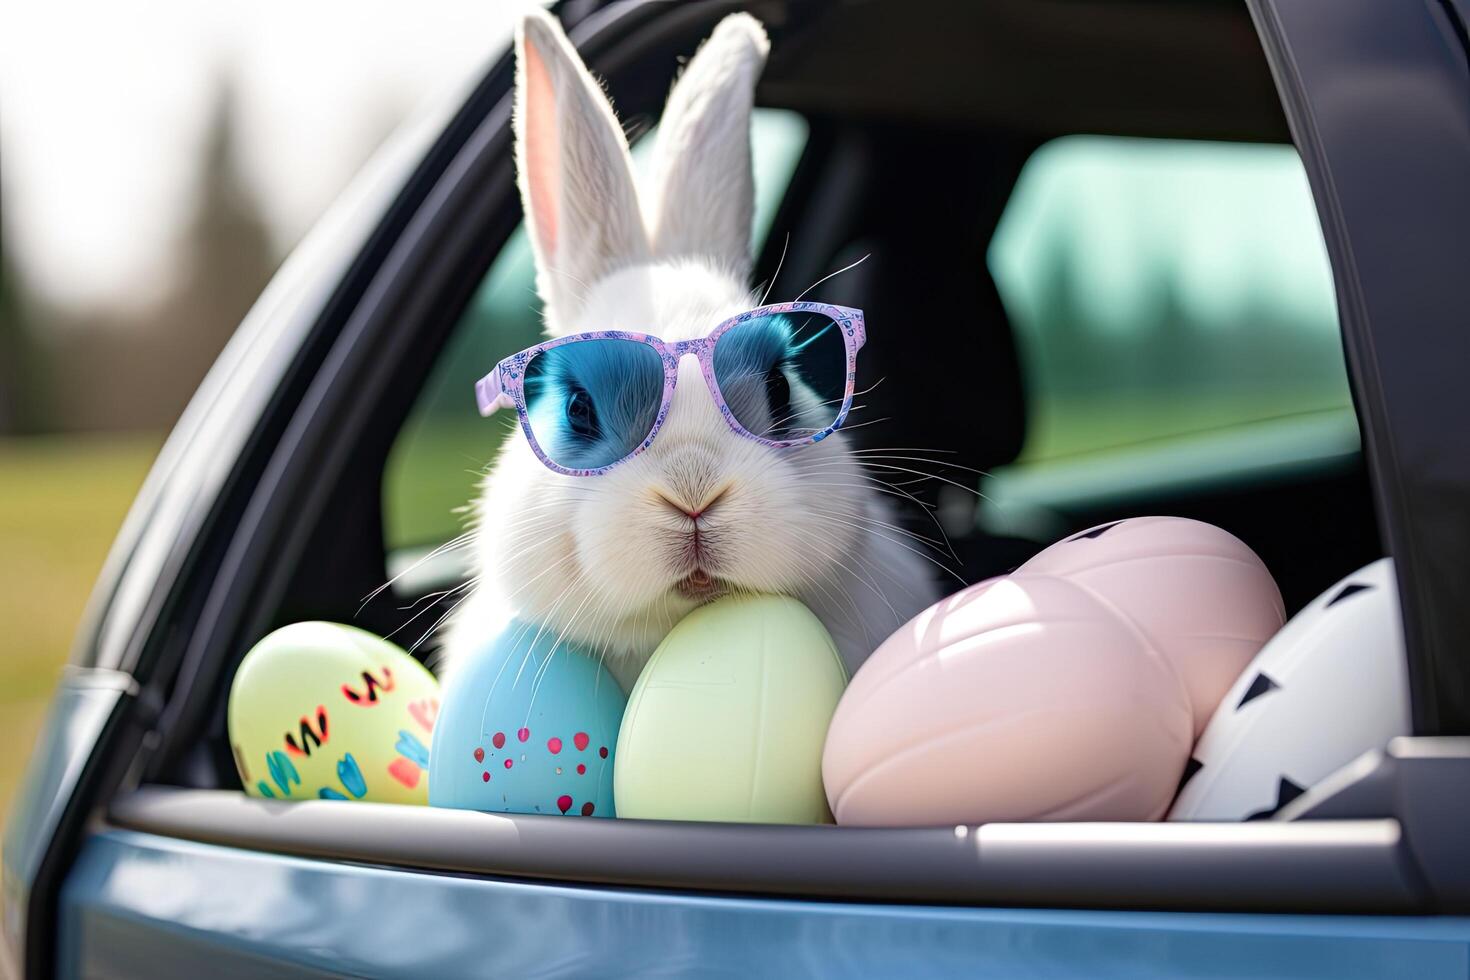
[489, 395]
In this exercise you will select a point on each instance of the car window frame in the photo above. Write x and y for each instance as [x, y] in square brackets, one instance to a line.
[333, 403]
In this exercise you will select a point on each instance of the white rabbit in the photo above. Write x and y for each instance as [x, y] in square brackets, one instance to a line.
[612, 561]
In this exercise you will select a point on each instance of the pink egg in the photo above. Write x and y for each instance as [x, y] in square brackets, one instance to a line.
[1072, 689]
[1015, 700]
[1199, 595]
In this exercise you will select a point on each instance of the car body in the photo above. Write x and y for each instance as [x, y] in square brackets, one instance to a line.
[133, 852]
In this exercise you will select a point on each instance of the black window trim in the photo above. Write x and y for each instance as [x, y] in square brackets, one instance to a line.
[1396, 222]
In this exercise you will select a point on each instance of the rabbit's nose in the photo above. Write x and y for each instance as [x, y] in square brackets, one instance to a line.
[693, 511]
[691, 480]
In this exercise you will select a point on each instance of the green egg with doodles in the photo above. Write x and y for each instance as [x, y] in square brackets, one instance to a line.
[326, 711]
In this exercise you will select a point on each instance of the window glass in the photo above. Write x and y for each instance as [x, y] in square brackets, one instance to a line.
[445, 445]
[1166, 294]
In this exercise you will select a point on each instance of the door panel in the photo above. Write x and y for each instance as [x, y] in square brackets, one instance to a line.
[141, 905]
[84, 703]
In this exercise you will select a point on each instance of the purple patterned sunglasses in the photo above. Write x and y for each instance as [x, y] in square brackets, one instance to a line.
[782, 375]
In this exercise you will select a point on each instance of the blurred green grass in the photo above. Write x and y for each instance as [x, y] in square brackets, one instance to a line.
[61, 502]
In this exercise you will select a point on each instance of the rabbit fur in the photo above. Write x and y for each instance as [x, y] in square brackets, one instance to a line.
[599, 559]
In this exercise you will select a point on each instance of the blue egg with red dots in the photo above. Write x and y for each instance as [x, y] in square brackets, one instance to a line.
[527, 725]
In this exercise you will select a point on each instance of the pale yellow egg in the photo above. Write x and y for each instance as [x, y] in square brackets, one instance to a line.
[728, 719]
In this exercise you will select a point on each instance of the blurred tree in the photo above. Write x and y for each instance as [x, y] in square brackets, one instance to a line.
[20, 359]
[130, 371]
[227, 252]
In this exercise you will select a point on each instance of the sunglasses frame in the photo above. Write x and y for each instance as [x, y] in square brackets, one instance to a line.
[504, 387]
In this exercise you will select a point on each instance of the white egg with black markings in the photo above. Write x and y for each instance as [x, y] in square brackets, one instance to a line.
[1331, 685]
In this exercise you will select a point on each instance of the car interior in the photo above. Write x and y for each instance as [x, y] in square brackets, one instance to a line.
[1088, 214]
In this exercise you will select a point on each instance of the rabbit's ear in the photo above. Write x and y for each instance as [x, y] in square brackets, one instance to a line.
[704, 193]
[575, 179]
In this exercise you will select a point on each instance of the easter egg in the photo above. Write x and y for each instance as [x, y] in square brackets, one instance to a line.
[1017, 699]
[529, 725]
[1071, 689]
[727, 720]
[1332, 685]
[325, 711]
[1198, 593]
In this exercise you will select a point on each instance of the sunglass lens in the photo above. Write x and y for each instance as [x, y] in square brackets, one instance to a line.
[784, 376]
[593, 402]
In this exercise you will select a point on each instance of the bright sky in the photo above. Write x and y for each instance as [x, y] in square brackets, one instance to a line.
[102, 107]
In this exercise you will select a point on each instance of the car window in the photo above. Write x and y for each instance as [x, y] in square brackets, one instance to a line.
[444, 445]
[1174, 312]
